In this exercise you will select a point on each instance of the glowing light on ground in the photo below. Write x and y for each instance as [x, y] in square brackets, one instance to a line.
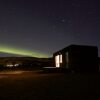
[10, 50]
[12, 72]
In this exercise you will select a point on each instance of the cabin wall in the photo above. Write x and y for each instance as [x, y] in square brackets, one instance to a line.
[79, 58]
[84, 59]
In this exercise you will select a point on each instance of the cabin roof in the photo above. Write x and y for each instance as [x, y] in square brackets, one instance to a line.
[73, 46]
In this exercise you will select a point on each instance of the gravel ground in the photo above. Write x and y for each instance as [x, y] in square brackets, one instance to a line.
[31, 85]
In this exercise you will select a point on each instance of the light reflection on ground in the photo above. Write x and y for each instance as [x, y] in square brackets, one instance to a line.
[15, 74]
[32, 85]
[12, 72]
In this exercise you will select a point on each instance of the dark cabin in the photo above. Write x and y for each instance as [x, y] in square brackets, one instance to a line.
[78, 58]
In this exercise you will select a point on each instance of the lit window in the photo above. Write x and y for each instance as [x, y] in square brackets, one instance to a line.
[57, 61]
[60, 58]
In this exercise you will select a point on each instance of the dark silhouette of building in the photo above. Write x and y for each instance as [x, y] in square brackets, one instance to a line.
[79, 58]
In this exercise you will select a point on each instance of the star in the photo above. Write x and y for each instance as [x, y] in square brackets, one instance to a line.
[63, 20]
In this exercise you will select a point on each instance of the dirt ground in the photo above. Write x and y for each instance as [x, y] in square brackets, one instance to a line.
[31, 85]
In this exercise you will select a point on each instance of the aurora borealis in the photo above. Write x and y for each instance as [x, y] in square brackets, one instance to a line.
[47, 26]
[10, 50]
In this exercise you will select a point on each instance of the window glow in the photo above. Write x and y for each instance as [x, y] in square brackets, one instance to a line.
[60, 58]
[57, 61]
[67, 59]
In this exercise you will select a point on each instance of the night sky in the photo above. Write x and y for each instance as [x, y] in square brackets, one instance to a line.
[47, 26]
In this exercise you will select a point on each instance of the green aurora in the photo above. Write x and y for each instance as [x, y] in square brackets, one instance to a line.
[10, 50]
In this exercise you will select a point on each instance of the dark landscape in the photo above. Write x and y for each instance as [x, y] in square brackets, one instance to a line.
[33, 85]
[49, 50]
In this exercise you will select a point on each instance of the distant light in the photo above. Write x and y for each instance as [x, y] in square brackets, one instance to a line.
[10, 65]
[16, 65]
[50, 67]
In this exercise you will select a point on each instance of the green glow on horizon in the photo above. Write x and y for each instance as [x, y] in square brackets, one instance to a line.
[11, 50]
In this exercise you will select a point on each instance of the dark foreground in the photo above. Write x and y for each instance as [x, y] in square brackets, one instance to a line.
[36, 86]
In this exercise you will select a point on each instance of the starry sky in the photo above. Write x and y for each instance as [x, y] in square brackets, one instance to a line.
[47, 26]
